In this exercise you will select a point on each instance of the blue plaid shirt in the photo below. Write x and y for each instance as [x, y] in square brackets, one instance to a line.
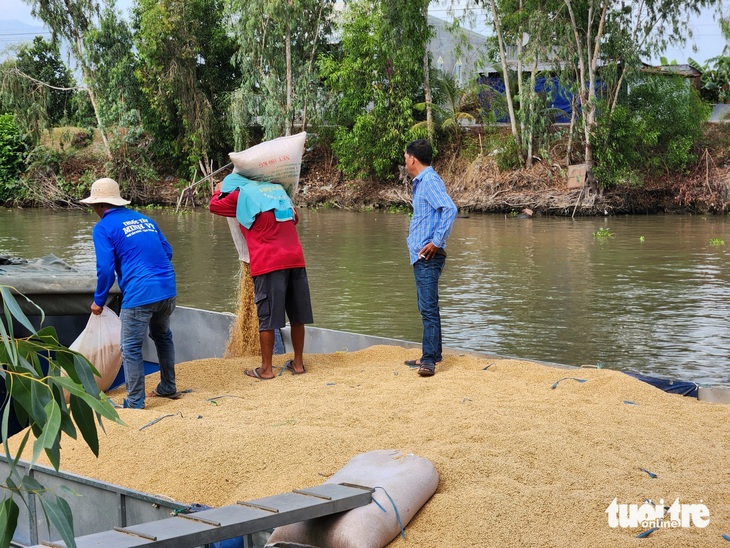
[433, 213]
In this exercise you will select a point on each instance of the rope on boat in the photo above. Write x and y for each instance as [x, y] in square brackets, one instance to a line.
[158, 419]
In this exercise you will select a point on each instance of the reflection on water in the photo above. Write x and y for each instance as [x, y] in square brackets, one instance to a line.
[541, 288]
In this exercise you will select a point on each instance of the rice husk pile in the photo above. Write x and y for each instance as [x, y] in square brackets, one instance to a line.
[244, 336]
[520, 463]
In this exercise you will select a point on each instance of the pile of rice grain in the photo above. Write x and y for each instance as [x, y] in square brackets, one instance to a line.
[520, 463]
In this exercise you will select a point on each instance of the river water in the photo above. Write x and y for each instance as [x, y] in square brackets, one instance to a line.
[653, 297]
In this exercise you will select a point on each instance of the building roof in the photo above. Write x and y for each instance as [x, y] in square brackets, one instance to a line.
[685, 71]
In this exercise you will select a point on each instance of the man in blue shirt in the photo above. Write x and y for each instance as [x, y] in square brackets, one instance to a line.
[433, 217]
[131, 247]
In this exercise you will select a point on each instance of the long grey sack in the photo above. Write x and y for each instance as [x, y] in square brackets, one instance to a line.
[403, 483]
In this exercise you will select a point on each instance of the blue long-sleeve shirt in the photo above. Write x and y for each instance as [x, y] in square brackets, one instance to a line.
[434, 213]
[131, 247]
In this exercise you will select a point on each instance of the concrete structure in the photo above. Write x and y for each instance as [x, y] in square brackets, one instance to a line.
[459, 55]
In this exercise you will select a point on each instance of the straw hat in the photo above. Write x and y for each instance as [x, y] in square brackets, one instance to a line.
[105, 191]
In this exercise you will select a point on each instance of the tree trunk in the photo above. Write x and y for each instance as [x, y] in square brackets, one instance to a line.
[573, 116]
[505, 73]
[289, 113]
[521, 95]
[87, 76]
[427, 93]
[593, 66]
[312, 56]
[531, 114]
[586, 83]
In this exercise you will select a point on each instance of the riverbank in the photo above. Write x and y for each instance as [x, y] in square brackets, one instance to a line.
[477, 185]
[472, 177]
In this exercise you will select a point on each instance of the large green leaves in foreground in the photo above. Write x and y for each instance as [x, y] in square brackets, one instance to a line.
[37, 399]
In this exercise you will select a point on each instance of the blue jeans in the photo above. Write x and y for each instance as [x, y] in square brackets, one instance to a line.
[135, 323]
[427, 273]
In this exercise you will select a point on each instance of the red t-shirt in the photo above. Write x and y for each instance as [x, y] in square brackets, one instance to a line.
[272, 245]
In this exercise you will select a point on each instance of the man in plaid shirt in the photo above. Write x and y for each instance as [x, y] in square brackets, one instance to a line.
[433, 217]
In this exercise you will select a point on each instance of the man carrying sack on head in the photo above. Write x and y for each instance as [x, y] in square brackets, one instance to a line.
[268, 222]
[131, 247]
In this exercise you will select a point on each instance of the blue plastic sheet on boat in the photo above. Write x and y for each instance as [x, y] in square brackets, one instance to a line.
[683, 388]
[236, 542]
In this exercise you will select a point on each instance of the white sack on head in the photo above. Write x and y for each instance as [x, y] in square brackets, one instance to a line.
[408, 480]
[277, 161]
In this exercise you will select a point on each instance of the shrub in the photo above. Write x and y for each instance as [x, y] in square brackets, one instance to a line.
[657, 129]
[13, 148]
[509, 156]
[82, 138]
[619, 142]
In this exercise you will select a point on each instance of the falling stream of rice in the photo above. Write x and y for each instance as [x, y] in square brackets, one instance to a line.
[244, 336]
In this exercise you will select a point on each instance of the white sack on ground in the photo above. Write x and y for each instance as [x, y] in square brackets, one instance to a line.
[408, 479]
[277, 161]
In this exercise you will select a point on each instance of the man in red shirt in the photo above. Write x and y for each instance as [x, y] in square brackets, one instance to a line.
[268, 222]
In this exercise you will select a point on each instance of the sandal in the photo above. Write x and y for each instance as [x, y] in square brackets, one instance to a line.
[290, 366]
[254, 373]
[415, 363]
[173, 396]
[427, 370]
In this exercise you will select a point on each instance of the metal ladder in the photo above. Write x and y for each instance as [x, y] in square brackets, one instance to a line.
[238, 520]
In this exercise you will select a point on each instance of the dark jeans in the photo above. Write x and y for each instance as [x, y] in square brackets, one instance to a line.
[427, 273]
[136, 321]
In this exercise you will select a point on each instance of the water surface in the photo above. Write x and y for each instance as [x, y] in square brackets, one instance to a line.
[652, 298]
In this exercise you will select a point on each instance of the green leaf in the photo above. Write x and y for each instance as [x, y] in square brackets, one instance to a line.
[13, 462]
[85, 371]
[67, 425]
[12, 306]
[100, 404]
[8, 354]
[58, 513]
[84, 418]
[9, 512]
[50, 430]
[40, 398]
[49, 336]
[5, 420]
[54, 452]
[19, 390]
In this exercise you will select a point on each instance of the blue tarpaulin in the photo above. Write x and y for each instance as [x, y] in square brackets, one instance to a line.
[557, 97]
[683, 388]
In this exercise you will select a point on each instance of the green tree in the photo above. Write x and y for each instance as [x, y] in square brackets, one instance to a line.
[581, 38]
[37, 87]
[71, 20]
[13, 148]
[454, 106]
[613, 36]
[655, 130]
[377, 75]
[110, 55]
[42, 61]
[184, 75]
[278, 44]
[37, 398]
[715, 78]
